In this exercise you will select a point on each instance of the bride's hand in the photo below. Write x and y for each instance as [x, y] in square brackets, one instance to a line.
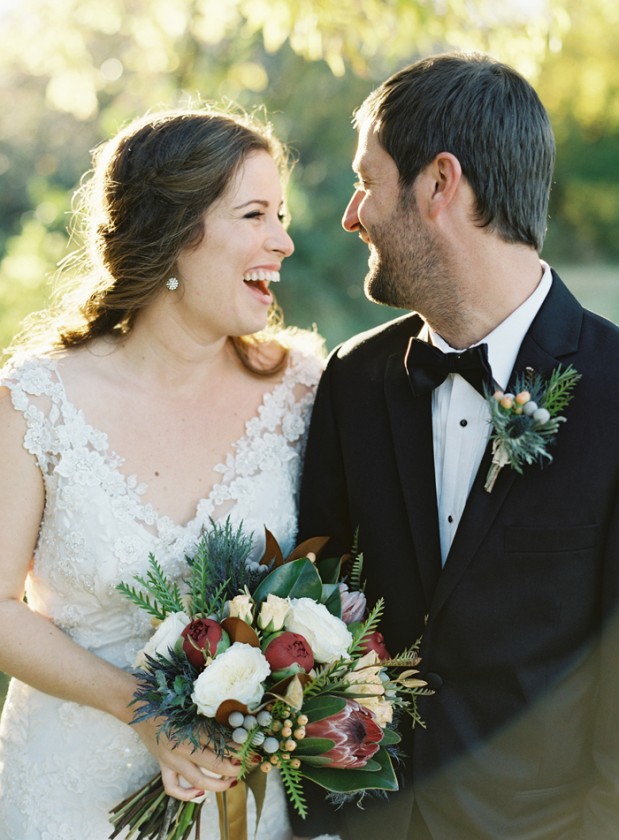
[186, 772]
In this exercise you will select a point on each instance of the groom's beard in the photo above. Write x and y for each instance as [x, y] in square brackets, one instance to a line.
[408, 268]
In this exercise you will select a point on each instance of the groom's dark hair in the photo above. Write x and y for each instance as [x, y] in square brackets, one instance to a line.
[490, 118]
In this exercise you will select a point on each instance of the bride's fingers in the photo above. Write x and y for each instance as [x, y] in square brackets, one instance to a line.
[191, 783]
[173, 787]
[212, 763]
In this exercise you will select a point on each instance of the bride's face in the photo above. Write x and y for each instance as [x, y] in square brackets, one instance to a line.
[224, 281]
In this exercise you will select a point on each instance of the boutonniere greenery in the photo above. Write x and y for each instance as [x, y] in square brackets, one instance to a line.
[525, 422]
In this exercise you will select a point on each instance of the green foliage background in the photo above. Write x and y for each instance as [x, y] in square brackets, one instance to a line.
[73, 71]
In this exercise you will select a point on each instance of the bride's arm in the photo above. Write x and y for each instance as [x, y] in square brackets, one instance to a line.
[37, 652]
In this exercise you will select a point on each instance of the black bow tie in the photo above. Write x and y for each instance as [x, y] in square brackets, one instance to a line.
[428, 366]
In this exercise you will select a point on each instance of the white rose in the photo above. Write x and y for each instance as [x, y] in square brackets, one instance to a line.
[236, 674]
[273, 613]
[241, 606]
[165, 637]
[328, 636]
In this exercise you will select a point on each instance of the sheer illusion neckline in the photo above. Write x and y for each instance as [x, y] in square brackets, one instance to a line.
[134, 489]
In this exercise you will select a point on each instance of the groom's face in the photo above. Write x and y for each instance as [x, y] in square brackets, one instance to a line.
[406, 262]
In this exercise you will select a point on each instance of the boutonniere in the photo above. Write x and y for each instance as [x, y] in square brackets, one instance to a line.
[527, 421]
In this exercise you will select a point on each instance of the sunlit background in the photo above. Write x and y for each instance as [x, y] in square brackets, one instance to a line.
[73, 71]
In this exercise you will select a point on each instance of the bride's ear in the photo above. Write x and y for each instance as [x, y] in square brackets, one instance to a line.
[441, 177]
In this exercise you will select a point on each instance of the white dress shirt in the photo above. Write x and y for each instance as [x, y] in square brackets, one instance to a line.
[461, 417]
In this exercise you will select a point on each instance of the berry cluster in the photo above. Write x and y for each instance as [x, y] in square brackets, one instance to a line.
[274, 731]
[522, 404]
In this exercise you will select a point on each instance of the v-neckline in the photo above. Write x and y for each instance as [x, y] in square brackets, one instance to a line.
[135, 489]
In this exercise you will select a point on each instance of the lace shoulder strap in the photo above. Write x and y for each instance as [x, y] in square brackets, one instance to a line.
[38, 393]
[306, 363]
[285, 409]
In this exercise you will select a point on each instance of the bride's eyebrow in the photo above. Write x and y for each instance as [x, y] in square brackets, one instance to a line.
[251, 201]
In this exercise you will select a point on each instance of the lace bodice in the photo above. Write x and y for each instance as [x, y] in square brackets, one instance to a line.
[96, 531]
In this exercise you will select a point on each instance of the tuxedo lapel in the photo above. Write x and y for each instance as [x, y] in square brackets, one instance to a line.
[553, 334]
[410, 420]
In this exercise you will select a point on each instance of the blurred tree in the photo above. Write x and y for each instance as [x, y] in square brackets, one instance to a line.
[72, 71]
[580, 87]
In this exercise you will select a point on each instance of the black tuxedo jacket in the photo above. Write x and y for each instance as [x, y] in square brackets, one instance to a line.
[521, 627]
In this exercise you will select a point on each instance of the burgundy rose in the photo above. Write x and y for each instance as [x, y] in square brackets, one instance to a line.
[375, 641]
[356, 734]
[286, 649]
[201, 638]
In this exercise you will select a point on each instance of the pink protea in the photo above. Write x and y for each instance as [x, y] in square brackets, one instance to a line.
[356, 734]
[354, 604]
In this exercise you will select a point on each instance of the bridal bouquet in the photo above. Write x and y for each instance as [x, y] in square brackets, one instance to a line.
[279, 662]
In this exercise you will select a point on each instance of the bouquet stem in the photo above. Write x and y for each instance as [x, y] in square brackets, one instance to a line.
[150, 814]
[167, 819]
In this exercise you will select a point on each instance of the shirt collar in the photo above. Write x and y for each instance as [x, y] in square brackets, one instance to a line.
[504, 341]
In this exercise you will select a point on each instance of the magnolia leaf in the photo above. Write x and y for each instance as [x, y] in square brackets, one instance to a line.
[346, 562]
[313, 746]
[272, 552]
[285, 673]
[256, 781]
[329, 569]
[240, 631]
[294, 693]
[354, 779]
[297, 579]
[280, 687]
[332, 599]
[390, 736]
[226, 708]
[314, 760]
[323, 706]
[312, 546]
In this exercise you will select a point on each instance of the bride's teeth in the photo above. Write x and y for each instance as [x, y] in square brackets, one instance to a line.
[262, 274]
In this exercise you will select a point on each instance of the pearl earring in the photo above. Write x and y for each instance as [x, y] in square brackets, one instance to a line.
[172, 284]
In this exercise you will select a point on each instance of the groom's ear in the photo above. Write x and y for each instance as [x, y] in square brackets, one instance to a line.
[439, 183]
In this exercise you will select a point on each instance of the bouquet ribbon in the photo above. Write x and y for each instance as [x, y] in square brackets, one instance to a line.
[232, 806]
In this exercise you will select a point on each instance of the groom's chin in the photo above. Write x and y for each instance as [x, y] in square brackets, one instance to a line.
[380, 288]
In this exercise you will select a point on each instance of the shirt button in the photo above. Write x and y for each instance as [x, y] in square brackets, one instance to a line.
[464, 422]
[450, 519]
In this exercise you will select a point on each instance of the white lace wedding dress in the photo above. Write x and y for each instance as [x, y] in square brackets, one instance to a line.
[63, 766]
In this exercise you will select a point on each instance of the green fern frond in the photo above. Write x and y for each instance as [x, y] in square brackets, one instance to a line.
[215, 605]
[157, 584]
[368, 626]
[199, 583]
[292, 783]
[355, 580]
[326, 679]
[559, 389]
[142, 601]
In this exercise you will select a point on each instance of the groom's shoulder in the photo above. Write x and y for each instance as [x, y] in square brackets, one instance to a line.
[379, 342]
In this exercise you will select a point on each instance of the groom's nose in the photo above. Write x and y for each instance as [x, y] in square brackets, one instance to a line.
[350, 219]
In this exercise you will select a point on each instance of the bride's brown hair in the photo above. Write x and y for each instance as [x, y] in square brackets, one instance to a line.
[143, 204]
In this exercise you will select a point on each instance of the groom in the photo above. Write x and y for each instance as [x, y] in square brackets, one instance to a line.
[515, 590]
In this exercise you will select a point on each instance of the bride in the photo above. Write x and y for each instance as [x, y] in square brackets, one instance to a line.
[154, 401]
